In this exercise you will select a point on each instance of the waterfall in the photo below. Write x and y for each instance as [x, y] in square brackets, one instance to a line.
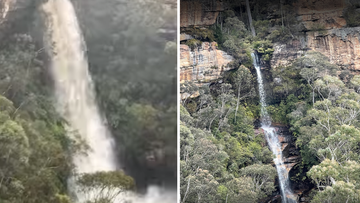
[272, 139]
[76, 100]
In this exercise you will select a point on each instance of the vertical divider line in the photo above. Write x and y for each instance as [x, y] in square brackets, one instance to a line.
[178, 99]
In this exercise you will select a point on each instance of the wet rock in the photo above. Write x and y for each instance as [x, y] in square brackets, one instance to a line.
[290, 154]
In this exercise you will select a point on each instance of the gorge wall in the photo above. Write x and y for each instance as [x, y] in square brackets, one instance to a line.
[199, 13]
[324, 29]
[203, 64]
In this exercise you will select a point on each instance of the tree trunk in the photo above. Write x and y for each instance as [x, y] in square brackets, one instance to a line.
[313, 96]
[250, 18]
[281, 13]
[237, 103]
[221, 22]
[187, 190]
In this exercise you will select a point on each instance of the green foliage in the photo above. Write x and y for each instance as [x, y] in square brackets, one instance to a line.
[218, 142]
[338, 183]
[219, 36]
[352, 16]
[237, 47]
[327, 132]
[234, 26]
[262, 28]
[264, 48]
[317, 27]
[232, 38]
[104, 187]
[262, 176]
[35, 162]
[202, 34]
[133, 67]
[280, 34]
[193, 43]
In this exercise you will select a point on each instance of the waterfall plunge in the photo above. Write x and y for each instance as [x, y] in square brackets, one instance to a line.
[272, 139]
[76, 100]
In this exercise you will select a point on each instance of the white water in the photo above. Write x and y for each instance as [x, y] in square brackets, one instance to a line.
[272, 139]
[76, 101]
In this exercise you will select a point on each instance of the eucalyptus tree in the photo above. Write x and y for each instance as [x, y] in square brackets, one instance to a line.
[243, 83]
[262, 179]
[104, 187]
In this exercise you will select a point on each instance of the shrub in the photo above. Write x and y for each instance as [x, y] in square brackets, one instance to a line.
[193, 43]
[352, 16]
[264, 48]
[202, 34]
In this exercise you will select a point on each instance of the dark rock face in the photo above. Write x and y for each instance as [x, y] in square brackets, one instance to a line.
[290, 152]
[292, 158]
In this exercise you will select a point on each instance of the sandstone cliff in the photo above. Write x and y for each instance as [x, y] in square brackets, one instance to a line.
[325, 13]
[204, 64]
[325, 32]
[200, 12]
[341, 45]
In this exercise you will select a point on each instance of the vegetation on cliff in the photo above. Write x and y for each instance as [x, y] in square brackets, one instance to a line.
[322, 111]
[222, 157]
[315, 99]
[134, 70]
[135, 81]
[35, 157]
[233, 34]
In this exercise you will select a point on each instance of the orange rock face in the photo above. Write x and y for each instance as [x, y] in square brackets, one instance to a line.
[327, 14]
[199, 13]
[342, 46]
[204, 64]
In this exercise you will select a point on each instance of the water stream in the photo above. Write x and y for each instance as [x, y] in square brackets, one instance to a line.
[76, 101]
[272, 139]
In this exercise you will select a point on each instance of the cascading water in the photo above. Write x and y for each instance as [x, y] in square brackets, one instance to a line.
[76, 101]
[272, 139]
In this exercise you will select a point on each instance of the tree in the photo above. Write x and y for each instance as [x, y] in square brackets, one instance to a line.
[200, 159]
[226, 104]
[233, 24]
[310, 75]
[243, 83]
[240, 190]
[104, 187]
[188, 89]
[355, 81]
[313, 66]
[262, 178]
[329, 87]
[14, 146]
[336, 182]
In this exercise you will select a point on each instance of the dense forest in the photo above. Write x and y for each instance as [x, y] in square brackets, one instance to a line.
[224, 155]
[132, 65]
